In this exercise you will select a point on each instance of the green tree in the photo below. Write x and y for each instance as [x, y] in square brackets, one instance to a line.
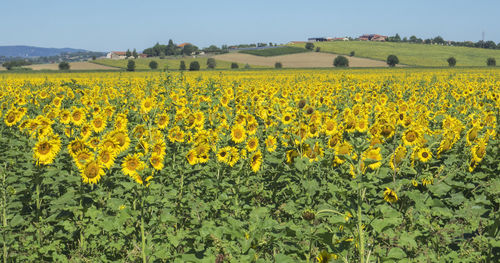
[318, 49]
[341, 61]
[247, 66]
[278, 65]
[153, 64]
[392, 60]
[352, 53]
[234, 65]
[451, 61]
[491, 62]
[189, 49]
[64, 65]
[211, 63]
[182, 65]
[309, 46]
[134, 53]
[131, 65]
[128, 53]
[194, 65]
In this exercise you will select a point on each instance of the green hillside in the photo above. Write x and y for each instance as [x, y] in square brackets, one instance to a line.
[411, 54]
[278, 51]
[173, 64]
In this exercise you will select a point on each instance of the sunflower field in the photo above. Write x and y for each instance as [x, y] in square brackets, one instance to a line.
[251, 166]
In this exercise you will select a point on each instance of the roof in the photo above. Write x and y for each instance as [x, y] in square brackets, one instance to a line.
[183, 44]
[119, 53]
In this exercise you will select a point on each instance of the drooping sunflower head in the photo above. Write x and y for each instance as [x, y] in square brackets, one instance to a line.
[390, 195]
[256, 161]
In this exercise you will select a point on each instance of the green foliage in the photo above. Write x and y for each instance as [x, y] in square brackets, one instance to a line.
[392, 60]
[234, 65]
[491, 62]
[134, 53]
[189, 49]
[341, 61]
[275, 51]
[278, 65]
[128, 53]
[211, 63]
[143, 63]
[318, 49]
[193, 66]
[451, 61]
[64, 65]
[182, 65]
[309, 46]
[15, 64]
[153, 64]
[131, 65]
[352, 53]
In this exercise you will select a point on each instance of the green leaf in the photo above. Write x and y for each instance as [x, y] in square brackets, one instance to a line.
[396, 253]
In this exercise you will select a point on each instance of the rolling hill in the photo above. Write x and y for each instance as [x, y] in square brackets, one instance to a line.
[410, 54]
[29, 51]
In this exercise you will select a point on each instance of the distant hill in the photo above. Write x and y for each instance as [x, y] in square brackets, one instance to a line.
[29, 51]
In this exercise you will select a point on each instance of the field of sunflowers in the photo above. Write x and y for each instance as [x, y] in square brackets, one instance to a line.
[251, 166]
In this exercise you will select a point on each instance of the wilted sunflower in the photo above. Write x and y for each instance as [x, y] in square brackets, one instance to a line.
[390, 195]
[325, 257]
[256, 161]
[46, 149]
[92, 172]
[238, 134]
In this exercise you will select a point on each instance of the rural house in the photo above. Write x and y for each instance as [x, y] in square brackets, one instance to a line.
[121, 55]
[372, 37]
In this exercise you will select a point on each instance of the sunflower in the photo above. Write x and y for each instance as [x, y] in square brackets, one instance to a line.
[65, 116]
[334, 139]
[397, 157]
[46, 149]
[342, 149]
[271, 143]
[98, 124]
[132, 164]
[107, 157]
[362, 124]
[82, 157]
[235, 156]
[76, 146]
[223, 155]
[162, 121]
[256, 161]
[202, 151]
[325, 257]
[191, 157]
[121, 140]
[424, 154]
[159, 148]
[175, 134]
[291, 155]
[286, 118]
[411, 137]
[479, 150]
[147, 104]
[387, 130]
[91, 172]
[77, 116]
[11, 117]
[329, 127]
[373, 154]
[252, 127]
[252, 144]
[472, 135]
[390, 195]
[156, 161]
[238, 134]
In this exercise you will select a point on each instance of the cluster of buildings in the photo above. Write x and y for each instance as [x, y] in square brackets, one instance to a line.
[365, 37]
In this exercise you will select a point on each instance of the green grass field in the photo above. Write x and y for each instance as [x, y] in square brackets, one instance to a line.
[411, 54]
[172, 64]
[278, 51]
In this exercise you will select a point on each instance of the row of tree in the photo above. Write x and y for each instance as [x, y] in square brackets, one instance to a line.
[440, 41]
[171, 49]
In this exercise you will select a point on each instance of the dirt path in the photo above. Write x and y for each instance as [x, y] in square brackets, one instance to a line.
[301, 60]
[72, 66]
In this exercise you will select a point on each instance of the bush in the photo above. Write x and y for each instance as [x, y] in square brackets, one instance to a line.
[318, 49]
[310, 46]
[153, 64]
[64, 65]
[352, 53]
[491, 62]
[278, 65]
[131, 65]
[193, 66]
[451, 61]
[182, 65]
[211, 63]
[234, 65]
[392, 60]
[247, 65]
[341, 61]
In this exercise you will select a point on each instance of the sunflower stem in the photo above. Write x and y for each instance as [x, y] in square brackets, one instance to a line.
[143, 238]
[4, 217]
[82, 216]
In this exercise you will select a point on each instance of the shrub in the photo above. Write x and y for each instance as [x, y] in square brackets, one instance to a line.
[182, 65]
[278, 65]
[234, 65]
[131, 65]
[451, 61]
[341, 61]
[247, 65]
[392, 60]
[193, 66]
[318, 49]
[64, 65]
[491, 62]
[352, 53]
[153, 64]
[310, 46]
[211, 63]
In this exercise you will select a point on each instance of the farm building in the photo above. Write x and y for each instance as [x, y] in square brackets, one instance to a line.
[373, 37]
[121, 55]
[317, 39]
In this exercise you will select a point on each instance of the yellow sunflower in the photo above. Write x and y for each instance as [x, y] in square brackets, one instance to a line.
[224, 155]
[256, 161]
[77, 116]
[132, 165]
[271, 143]
[373, 154]
[238, 134]
[325, 257]
[252, 144]
[92, 172]
[156, 161]
[98, 124]
[397, 157]
[46, 149]
[390, 195]
[107, 157]
[424, 155]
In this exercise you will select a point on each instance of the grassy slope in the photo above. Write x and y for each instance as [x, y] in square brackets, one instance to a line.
[143, 63]
[411, 54]
[269, 52]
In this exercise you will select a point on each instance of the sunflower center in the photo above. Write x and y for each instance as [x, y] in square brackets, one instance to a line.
[44, 148]
[425, 155]
[92, 170]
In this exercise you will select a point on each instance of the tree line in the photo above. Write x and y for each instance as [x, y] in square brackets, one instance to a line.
[440, 41]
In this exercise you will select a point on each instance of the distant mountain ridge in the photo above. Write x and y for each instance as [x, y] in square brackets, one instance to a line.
[30, 51]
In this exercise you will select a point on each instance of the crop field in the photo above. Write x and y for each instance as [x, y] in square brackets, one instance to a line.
[170, 63]
[411, 54]
[277, 51]
[380, 165]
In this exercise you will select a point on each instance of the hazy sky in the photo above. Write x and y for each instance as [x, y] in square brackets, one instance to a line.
[105, 25]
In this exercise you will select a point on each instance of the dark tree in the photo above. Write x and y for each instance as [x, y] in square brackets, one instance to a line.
[182, 65]
[438, 40]
[352, 53]
[310, 46]
[318, 49]
[93, 57]
[153, 64]
[211, 63]
[278, 65]
[64, 65]
[131, 65]
[491, 62]
[128, 53]
[451, 61]
[341, 61]
[193, 66]
[189, 49]
[134, 54]
[234, 65]
[247, 66]
[392, 60]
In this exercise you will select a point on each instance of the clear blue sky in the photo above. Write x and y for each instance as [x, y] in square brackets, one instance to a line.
[105, 25]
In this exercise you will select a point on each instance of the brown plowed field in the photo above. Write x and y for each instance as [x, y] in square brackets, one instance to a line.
[301, 60]
[72, 66]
